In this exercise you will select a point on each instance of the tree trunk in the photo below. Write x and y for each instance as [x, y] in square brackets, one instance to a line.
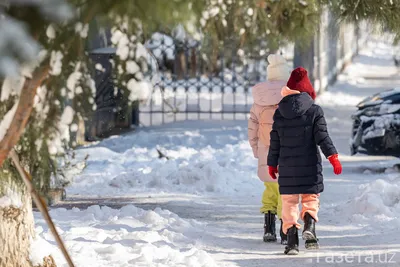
[16, 222]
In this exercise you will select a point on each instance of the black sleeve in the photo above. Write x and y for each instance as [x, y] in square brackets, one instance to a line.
[321, 135]
[274, 148]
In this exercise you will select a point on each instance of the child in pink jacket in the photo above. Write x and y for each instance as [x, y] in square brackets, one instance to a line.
[266, 96]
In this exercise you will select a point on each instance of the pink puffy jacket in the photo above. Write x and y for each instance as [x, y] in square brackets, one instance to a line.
[266, 96]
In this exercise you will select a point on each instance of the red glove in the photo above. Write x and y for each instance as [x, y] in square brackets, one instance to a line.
[272, 171]
[337, 167]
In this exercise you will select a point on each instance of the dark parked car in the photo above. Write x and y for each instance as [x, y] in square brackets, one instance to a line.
[376, 125]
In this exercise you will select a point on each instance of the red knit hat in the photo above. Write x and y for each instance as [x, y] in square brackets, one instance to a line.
[299, 81]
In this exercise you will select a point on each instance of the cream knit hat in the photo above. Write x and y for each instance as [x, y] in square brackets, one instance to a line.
[278, 69]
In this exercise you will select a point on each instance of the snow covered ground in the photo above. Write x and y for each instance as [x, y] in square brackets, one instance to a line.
[200, 206]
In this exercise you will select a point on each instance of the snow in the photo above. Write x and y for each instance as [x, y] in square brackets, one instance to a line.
[51, 32]
[11, 87]
[73, 79]
[99, 67]
[67, 115]
[57, 143]
[200, 207]
[141, 52]
[334, 99]
[132, 67]
[214, 11]
[380, 124]
[378, 201]
[6, 121]
[74, 127]
[12, 199]
[389, 108]
[196, 165]
[56, 62]
[121, 41]
[82, 29]
[139, 90]
[40, 105]
[130, 236]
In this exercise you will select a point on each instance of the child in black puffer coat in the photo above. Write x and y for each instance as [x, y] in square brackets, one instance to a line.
[299, 128]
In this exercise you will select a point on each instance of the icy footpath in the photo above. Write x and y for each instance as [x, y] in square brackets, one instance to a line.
[101, 236]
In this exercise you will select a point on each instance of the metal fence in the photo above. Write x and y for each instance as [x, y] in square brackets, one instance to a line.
[193, 84]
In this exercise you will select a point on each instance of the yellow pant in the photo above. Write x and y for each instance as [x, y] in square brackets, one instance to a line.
[271, 199]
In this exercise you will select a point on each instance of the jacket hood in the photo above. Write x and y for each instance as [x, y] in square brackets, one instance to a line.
[267, 93]
[296, 105]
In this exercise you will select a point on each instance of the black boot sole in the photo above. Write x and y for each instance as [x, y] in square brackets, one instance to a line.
[311, 240]
[312, 245]
[269, 238]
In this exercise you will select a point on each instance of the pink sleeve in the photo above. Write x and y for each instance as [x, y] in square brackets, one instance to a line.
[253, 131]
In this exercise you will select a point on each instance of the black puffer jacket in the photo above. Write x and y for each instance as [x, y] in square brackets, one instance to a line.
[299, 127]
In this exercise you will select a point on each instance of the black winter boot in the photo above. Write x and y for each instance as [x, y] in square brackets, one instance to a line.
[283, 235]
[292, 247]
[309, 234]
[269, 227]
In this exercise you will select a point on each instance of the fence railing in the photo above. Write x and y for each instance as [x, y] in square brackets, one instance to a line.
[222, 95]
[192, 84]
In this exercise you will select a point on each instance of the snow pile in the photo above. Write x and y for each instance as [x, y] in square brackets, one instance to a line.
[101, 236]
[212, 160]
[378, 200]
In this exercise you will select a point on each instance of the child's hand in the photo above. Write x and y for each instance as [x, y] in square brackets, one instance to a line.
[337, 167]
[272, 171]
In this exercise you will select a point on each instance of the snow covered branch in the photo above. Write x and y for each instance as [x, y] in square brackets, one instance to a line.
[22, 112]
